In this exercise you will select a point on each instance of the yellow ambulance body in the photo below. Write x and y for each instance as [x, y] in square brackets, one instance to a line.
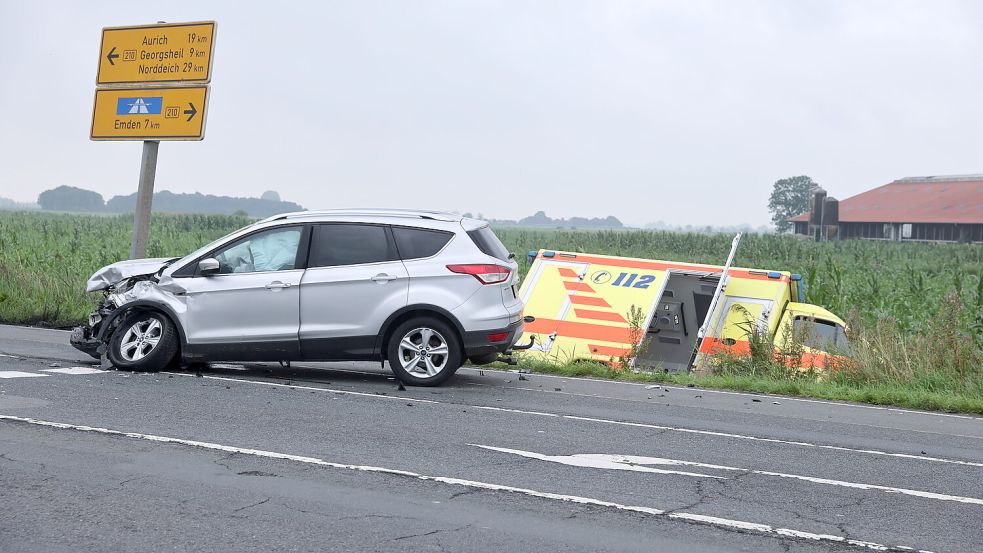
[583, 303]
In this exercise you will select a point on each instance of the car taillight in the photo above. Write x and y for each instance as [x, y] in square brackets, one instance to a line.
[486, 274]
[498, 337]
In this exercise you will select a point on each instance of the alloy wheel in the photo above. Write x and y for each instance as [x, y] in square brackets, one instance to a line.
[423, 352]
[140, 339]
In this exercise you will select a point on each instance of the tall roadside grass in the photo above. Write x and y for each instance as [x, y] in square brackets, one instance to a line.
[45, 259]
[941, 369]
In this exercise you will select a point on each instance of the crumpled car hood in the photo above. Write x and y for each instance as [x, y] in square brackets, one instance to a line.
[122, 270]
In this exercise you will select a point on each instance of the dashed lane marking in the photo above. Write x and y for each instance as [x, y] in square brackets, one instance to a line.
[19, 374]
[74, 370]
[705, 520]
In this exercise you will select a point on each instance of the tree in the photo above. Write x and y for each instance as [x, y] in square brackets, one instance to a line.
[270, 195]
[790, 197]
[69, 198]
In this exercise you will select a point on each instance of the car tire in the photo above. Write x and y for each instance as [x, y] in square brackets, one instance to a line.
[144, 341]
[424, 352]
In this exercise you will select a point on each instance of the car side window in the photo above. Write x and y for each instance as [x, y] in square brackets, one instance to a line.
[271, 250]
[415, 243]
[350, 244]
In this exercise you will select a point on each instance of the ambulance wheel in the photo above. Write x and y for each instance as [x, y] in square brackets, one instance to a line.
[424, 352]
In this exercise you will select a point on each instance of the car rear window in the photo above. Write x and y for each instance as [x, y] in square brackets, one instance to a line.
[347, 244]
[488, 243]
[414, 243]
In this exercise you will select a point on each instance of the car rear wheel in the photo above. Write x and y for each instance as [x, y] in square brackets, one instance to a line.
[143, 341]
[424, 352]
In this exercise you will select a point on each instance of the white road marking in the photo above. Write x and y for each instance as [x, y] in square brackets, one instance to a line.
[10, 356]
[641, 464]
[608, 421]
[779, 441]
[713, 391]
[74, 370]
[227, 366]
[677, 515]
[18, 374]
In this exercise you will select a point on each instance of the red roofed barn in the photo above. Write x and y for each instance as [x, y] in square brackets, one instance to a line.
[942, 208]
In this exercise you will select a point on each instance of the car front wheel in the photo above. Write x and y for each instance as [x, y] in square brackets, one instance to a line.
[143, 341]
[424, 352]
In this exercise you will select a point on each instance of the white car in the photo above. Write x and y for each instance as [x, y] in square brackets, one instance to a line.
[422, 290]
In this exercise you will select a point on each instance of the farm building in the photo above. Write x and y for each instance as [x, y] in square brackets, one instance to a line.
[937, 208]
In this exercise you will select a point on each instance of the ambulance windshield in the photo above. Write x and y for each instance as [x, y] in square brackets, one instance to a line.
[822, 335]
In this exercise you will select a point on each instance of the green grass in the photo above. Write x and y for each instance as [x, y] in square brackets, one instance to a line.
[915, 310]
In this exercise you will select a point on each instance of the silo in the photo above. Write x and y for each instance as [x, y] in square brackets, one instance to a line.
[831, 218]
[816, 213]
[831, 212]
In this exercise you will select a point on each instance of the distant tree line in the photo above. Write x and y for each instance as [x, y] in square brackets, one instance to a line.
[70, 198]
[541, 220]
[7, 203]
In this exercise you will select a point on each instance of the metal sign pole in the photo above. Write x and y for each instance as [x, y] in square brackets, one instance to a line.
[145, 198]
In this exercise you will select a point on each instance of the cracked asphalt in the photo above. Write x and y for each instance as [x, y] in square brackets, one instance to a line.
[332, 457]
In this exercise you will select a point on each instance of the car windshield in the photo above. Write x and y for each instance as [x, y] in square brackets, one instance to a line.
[822, 335]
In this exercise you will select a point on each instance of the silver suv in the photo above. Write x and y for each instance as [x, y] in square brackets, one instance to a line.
[422, 290]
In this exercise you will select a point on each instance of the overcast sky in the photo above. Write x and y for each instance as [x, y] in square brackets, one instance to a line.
[683, 111]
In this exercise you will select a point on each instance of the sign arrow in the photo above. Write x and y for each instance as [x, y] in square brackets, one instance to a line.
[111, 56]
[190, 112]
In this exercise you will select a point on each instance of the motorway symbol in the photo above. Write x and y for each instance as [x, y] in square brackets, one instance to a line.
[173, 113]
[163, 53]
[131, 106]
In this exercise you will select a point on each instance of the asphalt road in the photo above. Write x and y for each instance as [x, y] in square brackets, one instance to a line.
[334, 458]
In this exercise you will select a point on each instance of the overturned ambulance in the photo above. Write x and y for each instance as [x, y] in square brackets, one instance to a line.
[688, 312]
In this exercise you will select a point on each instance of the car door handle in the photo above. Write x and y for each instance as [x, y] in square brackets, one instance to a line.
[383, 278]
[277, 285]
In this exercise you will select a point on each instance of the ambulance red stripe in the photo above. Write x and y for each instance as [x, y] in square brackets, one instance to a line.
[599, 315]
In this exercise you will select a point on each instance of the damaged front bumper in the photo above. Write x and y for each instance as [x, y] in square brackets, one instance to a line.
[86, 338]
[83, 340]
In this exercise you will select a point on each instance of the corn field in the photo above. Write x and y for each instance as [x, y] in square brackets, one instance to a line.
[45, 260]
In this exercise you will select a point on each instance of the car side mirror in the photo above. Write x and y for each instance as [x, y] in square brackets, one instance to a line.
[208, 266]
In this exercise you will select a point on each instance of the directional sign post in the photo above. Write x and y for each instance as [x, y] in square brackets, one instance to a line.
[152, 85]
[174, 113]
[168, 53]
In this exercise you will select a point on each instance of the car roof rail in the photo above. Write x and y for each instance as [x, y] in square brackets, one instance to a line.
[373, 212]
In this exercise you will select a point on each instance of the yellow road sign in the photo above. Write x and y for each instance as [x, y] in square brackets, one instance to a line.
[164, 53]
[175, 113]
